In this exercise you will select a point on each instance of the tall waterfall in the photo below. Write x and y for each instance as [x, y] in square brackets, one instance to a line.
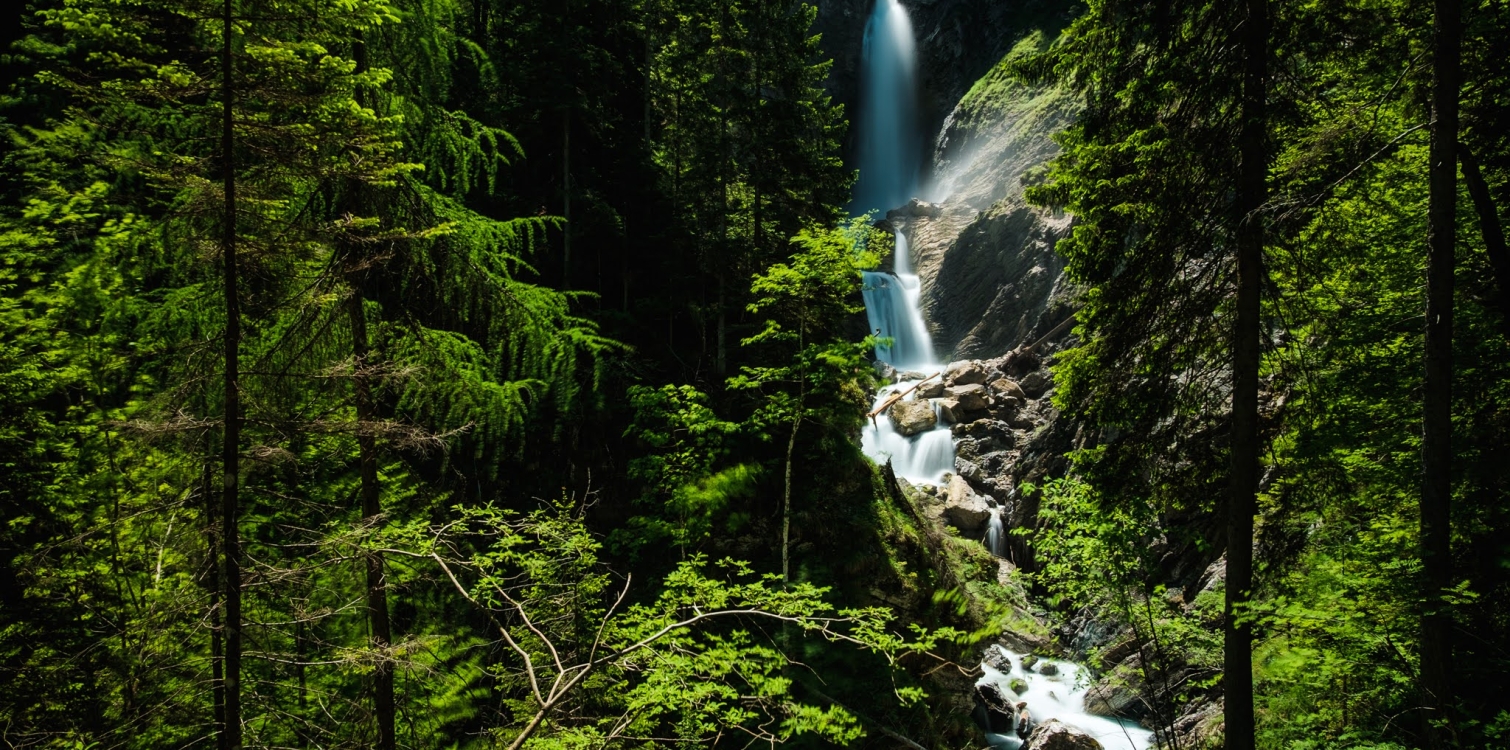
[889, 147]
[888, 152]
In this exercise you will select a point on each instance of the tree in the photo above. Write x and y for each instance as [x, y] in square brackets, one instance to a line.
[689, 664]
[1253, 173]
[1436, 441]
[820, 382]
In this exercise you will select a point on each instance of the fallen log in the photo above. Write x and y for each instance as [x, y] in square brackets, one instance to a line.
[898, 396]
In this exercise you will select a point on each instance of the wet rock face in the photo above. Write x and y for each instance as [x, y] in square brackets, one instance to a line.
[1056, 735]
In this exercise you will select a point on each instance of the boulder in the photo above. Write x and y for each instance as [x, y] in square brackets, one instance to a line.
[965, 510]
[1018, 685]
[1035, 383]
[1107, 699]
[999, 712]
[997, 659]
[1028, 661]
[919, 207]
[967, 373]
[1048, 668]
[1007, 387]
[931, 389]
[969, 470]
[971, 397]
[912, 417]
[1057, 735]
[950, 410]
[1116, 694]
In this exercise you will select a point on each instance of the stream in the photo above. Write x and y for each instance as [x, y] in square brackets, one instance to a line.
[889, 148]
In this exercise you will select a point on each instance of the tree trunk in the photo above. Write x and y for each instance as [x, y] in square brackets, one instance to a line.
[566, 198]
[230, 453]
[1251, 194]
[786, 502]
[381, 634]
[1436, 422]
[1489, 226]
[217, 649]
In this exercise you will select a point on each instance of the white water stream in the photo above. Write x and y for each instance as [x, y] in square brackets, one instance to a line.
[889, 150]
[1060, 696]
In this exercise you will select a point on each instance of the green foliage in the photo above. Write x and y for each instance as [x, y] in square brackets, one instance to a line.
[684, 487]
[693, 662]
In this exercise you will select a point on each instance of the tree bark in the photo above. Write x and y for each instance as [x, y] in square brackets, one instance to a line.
[230, 454]
[786, 501]
[1436, 422]
[217, 649]
[1251, 194]
[381, 634]
[1489, 226]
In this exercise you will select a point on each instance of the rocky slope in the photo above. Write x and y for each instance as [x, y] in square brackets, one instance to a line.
[991, 280]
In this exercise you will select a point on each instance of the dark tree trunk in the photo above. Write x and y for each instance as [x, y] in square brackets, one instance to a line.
[217, 649]
[377, 593]
[1251, 194]
[1436, 423]
[380, 630]
[230, 454]
[1489, 226]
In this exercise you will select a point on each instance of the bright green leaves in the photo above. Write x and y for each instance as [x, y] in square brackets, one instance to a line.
[706, 655]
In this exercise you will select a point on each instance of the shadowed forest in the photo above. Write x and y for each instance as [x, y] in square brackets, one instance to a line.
[597, 374]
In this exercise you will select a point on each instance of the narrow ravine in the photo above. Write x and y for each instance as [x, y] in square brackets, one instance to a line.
[914, 433]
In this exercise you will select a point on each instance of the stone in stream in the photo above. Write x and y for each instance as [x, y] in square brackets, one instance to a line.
[912, 417]
[1000, 713]
[971, 397]
[997, 659]
[950, 411]
[1028, 662]
[931, 389]
[1057, 735]
[965, 510]
[1049, 668]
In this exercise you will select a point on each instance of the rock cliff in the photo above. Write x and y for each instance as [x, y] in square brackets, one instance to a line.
[991, 280]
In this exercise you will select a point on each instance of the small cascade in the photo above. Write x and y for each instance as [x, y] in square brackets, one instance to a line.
[893, 307]
[1060, 695]
[996, 534]
[922, 458]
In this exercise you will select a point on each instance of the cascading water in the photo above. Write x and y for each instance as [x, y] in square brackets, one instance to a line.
[996, 534]
[892, 304]
[1061, 696]
[889, 147]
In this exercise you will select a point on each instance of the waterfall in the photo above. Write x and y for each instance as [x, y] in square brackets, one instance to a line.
[893, 307]
[888, 155]
[996, 534]
[888, 146]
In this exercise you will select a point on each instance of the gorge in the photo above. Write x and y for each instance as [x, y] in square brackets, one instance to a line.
[973, 181]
